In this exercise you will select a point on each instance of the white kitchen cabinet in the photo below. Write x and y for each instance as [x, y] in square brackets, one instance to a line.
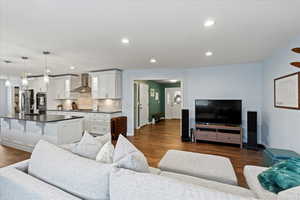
[63, 86]
[94, 122]
[106, 84]
[37, 84]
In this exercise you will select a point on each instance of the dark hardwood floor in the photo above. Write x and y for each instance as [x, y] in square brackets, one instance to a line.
[155, 140]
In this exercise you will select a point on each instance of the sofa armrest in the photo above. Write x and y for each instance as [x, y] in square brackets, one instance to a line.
[290, 194]
[22, 166]
[16, 185]
[251, 173]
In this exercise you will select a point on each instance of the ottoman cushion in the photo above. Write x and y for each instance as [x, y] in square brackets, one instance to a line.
[205, 166]
[272, 156]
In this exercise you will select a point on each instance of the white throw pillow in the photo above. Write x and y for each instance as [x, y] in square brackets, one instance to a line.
[127, 156]
[104, 138]
[106, 153]
[129, 185]
[88, 146]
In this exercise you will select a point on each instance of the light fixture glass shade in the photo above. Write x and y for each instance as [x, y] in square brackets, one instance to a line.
[7, 83]
[24, 81]
[46, 78]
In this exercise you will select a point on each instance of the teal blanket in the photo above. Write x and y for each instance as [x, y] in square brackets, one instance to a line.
[281, 176]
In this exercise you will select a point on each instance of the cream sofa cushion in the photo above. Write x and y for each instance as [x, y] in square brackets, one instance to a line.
[251, 173]
[79, 176]
[17, 185]
[290, 194]
[232, 189]
[132, 185]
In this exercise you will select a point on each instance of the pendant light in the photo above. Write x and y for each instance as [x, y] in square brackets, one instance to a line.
[24, 79]
[46, 76]
[7, 82]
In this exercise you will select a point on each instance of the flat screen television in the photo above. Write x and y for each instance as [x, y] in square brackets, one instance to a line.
[228, 112]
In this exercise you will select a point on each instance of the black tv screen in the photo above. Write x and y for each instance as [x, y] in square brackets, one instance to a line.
[219, 111]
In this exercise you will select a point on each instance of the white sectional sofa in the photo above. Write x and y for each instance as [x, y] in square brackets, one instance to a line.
[17, 184]
[55, 173]
[251, 173]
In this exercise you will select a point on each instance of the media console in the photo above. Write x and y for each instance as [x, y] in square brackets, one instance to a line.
[219, 133]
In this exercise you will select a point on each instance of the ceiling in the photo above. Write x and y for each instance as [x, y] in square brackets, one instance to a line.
[87, 34]
[166, 81]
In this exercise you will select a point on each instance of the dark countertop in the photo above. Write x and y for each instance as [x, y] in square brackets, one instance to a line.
[40, 118]
[88, 111]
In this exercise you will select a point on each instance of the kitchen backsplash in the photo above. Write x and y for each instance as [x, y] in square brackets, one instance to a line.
[85, 101]
[109, 105]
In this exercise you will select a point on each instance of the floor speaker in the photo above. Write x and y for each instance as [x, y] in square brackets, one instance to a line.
[252, 130]
[185, 136]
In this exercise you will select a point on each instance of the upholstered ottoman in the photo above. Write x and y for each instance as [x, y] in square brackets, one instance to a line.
[205, 166]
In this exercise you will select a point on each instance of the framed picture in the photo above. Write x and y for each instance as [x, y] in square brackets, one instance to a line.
[152, 92]
[286, 91]
[156, 96]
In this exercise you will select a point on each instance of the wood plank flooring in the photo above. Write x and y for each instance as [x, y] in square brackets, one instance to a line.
[155, 140]
[10, 156]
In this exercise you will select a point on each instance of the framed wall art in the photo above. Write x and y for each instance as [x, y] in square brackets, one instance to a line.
[286, 91]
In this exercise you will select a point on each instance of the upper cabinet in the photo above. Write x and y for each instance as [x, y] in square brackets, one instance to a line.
[106, 84]
[61, 87]
[37, 84]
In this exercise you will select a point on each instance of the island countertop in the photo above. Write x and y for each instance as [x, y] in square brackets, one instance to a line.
[89, 111]
[39, 118]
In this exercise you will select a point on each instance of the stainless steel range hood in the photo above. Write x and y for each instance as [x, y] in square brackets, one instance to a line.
[84, 88]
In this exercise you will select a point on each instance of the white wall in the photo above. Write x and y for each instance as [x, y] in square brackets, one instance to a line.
[281, 127]
[241, 81]
[6, 93]
[3, 98]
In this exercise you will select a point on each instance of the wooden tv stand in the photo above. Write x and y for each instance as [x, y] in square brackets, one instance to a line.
[219, 133]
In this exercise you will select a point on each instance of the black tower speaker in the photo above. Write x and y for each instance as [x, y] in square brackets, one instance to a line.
[185, 136]
[252, 130]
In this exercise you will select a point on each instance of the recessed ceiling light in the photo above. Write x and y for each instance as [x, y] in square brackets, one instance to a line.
[209, 23]
[173, 81]
[209, 53]
[72, 68]
[153, 60]
[125, 40]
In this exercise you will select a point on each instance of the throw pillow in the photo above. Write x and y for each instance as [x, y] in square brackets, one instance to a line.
[104, 138]
[281, 176]
[88, 146]
[106, 153]
[127, 156]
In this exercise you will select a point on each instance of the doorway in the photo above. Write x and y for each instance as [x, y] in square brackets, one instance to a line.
[156, 101]
[173, 101]
[143, 106]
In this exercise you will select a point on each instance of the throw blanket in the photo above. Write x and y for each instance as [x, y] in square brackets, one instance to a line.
[281, 176]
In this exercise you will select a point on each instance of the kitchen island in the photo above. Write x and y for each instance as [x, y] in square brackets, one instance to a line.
[95, 122]
[24, 131]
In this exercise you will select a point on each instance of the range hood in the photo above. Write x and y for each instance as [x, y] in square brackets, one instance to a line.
[84, 88]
